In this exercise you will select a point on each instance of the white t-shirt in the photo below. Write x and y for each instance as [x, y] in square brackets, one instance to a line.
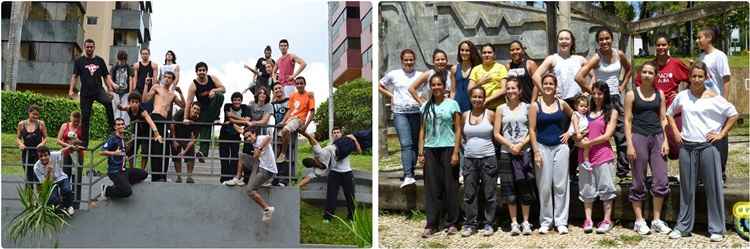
[399, 82]
[700, 115]
[718, 67]
[342, 166]
[565, 70]
[56, 159]
[267, 159]
[583, 124]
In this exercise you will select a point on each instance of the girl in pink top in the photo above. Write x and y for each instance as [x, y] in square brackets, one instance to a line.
[597, 183]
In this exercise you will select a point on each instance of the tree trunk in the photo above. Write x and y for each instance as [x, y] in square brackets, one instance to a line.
[12, 49]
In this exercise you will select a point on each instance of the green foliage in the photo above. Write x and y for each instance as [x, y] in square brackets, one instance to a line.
[361, 226]
[38, 218]
[352, 108]
[314, 231]
[54, 112]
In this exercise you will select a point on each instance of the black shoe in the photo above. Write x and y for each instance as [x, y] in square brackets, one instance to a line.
[200, 157]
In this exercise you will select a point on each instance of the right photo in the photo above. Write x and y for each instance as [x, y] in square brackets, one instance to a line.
[563, 124]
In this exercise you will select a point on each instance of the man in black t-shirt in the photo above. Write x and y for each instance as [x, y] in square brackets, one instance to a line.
[235, 114]
[185, 147]
[91, 70]
[263, 71]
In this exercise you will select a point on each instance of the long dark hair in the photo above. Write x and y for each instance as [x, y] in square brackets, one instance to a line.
[435, 53]
[263, 89]
[606, 104]
[474, 58]
[525, 55]
[429, 108]
[174, 57]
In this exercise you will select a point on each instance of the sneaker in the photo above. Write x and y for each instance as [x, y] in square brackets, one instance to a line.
[468, 231]
[234, 181]
[487, 231]
[562, 230]
[675, 234]
[427, 233]
[515, 229]
[408, 181]
[200, 157]
[641, 227]
[461, 180]
[543, 230]
[604, 226]
[179, 179]
[281, 158]
[660, 227]
[103, 193]
[499, 182]
[526, 228]
[70, 211]
[190, 180]
[452, 230]
[587, 166]
[588, 226]
[267, 214]
[717, 237]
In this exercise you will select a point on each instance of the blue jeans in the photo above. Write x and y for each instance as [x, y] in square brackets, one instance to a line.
[62, 194]
[407, 127]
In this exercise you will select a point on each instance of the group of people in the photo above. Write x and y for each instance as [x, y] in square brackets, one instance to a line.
[144, 94]
[540, 127]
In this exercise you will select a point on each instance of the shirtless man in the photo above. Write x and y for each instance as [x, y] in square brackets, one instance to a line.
[209, 91]
[163, 100]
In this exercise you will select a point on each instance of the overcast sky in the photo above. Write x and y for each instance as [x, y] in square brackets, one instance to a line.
[229, 33]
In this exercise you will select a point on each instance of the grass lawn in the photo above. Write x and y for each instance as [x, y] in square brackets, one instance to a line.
[314, 231]
[11, 155]
[740, 61]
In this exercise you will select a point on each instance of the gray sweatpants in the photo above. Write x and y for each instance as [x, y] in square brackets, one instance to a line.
[703, 159]
[596, 183]
[552, 181]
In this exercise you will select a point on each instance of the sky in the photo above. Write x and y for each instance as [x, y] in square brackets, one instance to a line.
[230, 33]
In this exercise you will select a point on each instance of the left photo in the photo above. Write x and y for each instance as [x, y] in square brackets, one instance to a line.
[186, 124]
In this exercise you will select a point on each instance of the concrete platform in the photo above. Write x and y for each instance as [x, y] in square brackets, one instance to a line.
[315, 191]
[392, 197]
[178, 215]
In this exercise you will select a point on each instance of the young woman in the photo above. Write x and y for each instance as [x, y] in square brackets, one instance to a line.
[521, 67]
[480, 166]
[512, 132]
[645, 121]
[440, 61]
[170, 65]
[395, 85]
[597, 182]
[548, 140]
[607, 65]
[490, 76]
[68, 136]
[671, 77]
[31, 133]
[718, 74]
[439, 144]
[707, 118]
[468, 57]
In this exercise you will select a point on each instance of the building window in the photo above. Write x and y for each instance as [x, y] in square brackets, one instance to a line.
[352, 12]
[367, 57]
[367, 22]
[27, 51]
[91, 20]
[6, 6]
[353, 43]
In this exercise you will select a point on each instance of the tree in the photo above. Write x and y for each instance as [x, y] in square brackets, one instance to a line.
[352, 108]
[12, 49]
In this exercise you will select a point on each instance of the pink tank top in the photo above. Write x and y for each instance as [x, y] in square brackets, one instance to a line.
[600, 153]
[286, 68]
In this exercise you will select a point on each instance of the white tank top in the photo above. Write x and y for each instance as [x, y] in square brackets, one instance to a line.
[610, 72]
[478, 138]
[565, 70]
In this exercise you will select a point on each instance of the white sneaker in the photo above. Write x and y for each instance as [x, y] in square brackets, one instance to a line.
[234, 181]
[543, 230]
[660, 227]
[408, 181]
[675, 234]
[562, 230]
[526, 228]
[515, 229]
[499, 181]
[103, 193]
[267, 214]
[70, 211]
[717, 238]
[281, 158]
[461, 180]
[641, 227]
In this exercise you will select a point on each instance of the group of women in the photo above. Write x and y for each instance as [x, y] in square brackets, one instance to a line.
[483, 120]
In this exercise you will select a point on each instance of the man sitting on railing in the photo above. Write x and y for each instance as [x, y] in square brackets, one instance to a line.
[299, 115]
[137, 112]
[121, 176]
[49, 167]
[182, 148]
[164, 98]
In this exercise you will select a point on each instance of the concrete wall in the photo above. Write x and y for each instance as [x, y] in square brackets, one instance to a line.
[101, 32]
[740, 89]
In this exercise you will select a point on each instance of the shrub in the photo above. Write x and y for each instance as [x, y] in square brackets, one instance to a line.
[352, 108]
[55, 111]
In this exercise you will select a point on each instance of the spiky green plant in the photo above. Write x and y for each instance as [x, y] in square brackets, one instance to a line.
[39, 218]
[361, 226]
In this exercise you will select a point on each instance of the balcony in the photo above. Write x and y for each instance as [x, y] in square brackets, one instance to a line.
[127, 19]
[46, 73]
[48, 31]
[131, 50]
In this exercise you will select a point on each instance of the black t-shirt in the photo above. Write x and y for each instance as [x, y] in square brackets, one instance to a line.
[243, 111]
[121, 74]
[91, 72]
[260, 66]
[182, 130]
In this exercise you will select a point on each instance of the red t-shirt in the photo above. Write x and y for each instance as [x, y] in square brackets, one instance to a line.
[67, 129]
[668, 78]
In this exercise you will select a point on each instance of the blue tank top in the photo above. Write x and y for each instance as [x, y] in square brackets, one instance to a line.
[462, 93]
[549, 126]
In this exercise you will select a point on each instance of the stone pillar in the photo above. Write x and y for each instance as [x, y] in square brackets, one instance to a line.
[563, 20]
[551, 8]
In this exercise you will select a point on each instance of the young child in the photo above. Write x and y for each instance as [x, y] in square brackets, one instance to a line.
[582, 109]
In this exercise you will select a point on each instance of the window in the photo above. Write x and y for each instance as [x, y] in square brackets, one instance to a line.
[352, 12]
[367, 22]
[6, 6]
[91, 20]
[367, 57]
[353, 43]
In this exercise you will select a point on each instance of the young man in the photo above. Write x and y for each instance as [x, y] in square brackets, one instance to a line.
[92, 70]
[122, 75]
[263, 168]
[235, 114]
[312, 173]
[209, 91]
[339, 175]
[137, 112]
[122, 178]
[287, 74]
[49, 168]
[163, 99]
[263, 73]
[301, 108]
[145, 73]
[185, 146]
